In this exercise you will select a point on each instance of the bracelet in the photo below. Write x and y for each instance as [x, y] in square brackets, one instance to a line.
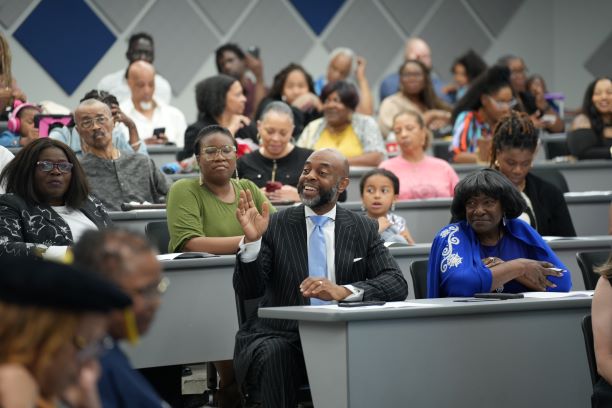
[136, 143]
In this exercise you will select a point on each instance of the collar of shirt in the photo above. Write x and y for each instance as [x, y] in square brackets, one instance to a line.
[331, 213]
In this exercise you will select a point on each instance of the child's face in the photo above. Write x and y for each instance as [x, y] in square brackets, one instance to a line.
[27, 129]
[460, 75]
[378, 195]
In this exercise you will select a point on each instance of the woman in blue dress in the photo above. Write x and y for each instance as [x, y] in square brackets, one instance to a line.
[489, 249]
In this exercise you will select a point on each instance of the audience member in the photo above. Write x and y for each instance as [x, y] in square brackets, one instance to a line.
[294, 86]
[537, 87]
[47, 206]
[345, 65]
[201, 211]
[125, 135]
[488, 249]
[379, 189]
[601, 312]
[276, 166]
[116, 177]
[54, 318]
[5, 157]
[220, 101]
[416, 93]
[356, 136]
[140, 48]
[537, 107]
[232, 61]
[591, 135]
[489, 98]
[128, 260]
[465, 69]
[201, 215]
[20, 127]
[422, 176]
[156, 121]
[9, 91]
[515, 140]
[345, 260]
[415, 49]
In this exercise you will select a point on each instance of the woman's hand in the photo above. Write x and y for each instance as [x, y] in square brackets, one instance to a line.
[536, 273]
[308, 101]
[238, 122]
[492, 261]
[285, 193]
[252, 222]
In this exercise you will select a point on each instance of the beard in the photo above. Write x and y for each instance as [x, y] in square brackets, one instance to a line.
[325, 196]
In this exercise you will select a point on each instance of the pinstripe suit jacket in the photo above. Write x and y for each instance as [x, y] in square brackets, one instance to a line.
[361, 259]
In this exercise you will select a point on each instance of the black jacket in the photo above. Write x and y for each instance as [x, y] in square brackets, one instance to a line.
[552, 216]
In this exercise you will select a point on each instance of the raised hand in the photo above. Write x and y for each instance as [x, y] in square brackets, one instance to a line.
[252, 222]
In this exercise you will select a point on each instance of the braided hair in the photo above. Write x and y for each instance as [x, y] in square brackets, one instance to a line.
[513, 131]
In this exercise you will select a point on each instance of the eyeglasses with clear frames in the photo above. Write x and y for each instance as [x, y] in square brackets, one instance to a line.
[47, 166]
[87, 351]
[503, 105]
[155, 290]
[89, 122]
[210, 152]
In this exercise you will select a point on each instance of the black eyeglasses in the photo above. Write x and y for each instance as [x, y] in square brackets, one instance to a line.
[47, 166]
[210, 152]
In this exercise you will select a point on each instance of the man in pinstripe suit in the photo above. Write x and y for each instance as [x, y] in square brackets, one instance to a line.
[273, 262]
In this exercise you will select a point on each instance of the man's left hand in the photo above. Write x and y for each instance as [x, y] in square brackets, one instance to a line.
[324, 289]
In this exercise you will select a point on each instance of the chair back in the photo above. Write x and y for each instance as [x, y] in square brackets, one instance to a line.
[157, 233]
[553, 176]
[587, 261]
[587, 332]
[418, 272]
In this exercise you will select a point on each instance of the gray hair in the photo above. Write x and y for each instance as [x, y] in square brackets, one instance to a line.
[349, 53]
[278, 107]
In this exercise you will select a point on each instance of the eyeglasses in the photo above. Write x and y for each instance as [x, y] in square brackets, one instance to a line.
[155, 290]
[210, 152]
[412, 75]
[90, 350]
[88, 123]
[503, 105]
[47, 166]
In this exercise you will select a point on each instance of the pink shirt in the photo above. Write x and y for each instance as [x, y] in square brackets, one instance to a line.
[429, 178]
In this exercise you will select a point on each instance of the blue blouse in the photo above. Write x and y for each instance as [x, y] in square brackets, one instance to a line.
[456, 267]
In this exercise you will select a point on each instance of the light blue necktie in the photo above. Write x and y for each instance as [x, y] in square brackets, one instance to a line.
[317, 253]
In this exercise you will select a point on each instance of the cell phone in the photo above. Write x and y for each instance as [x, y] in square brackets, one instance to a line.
[46, 122]
[500, 296]
[360, 304]
[254, 51]
[158, 132]
[548, 118]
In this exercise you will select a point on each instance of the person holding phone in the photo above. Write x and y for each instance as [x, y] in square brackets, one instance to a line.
[487, 248]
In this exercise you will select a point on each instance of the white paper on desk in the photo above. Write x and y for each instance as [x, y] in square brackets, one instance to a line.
[167, 257]
[559, 295]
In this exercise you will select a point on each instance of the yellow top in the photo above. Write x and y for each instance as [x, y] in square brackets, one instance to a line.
[346, 142]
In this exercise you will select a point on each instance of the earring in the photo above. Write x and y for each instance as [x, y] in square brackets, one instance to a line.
[237, 174]
[393, 207]
[363, 208]
[496, 163]
[504, 220]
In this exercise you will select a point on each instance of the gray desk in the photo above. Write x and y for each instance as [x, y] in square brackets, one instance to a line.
[585, 175]
[136, 220]
[163, 154]
[517, 353]
[426, 217]
[197, 321]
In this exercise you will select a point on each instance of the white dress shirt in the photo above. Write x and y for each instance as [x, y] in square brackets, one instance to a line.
[164, 116]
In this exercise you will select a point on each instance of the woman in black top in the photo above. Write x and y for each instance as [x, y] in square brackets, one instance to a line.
[591, 135]
[515, 140]
[276, 166]
[221, 101]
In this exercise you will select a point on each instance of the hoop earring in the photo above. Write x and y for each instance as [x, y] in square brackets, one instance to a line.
[393, 207]
[363, 208]
[504, 220]
[496, 163]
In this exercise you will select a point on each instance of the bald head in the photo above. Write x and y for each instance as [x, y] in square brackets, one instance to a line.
[324, 178]
[335, 159]
[141, 81]
[417, 49]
